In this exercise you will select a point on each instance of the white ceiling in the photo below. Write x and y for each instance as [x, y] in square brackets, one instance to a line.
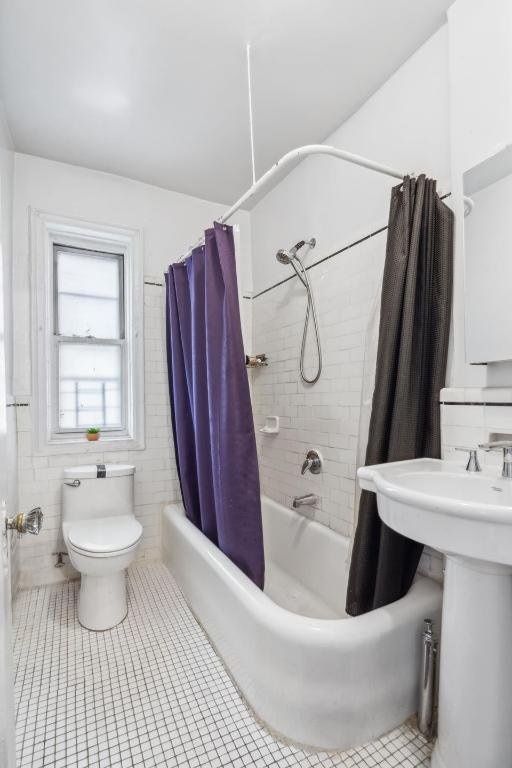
[156, 90]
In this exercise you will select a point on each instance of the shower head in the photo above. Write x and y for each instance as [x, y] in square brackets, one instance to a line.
[285, 257]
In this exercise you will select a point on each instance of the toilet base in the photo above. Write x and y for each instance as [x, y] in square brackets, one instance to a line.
[102, 601]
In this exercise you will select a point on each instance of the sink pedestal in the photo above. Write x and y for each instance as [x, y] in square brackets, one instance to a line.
[469, 516]
[475, 695]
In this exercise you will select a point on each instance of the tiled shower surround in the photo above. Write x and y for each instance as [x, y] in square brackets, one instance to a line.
[40, 477]
[325, 415]
[151, 692]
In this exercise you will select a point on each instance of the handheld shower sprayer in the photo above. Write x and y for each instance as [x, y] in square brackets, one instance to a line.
[290, 257]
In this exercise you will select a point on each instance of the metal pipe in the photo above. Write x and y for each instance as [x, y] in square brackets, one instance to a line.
[251, 121]
[426, 708]
[300, 153]
[291, 157]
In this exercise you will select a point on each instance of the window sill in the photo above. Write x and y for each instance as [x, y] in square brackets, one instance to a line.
[80, 445]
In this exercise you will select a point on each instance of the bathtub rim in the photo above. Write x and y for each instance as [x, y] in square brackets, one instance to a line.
[346, 630]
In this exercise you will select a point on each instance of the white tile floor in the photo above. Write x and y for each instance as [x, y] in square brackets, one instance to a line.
[150, 692]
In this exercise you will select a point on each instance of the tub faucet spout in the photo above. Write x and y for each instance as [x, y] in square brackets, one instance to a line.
[308, 500]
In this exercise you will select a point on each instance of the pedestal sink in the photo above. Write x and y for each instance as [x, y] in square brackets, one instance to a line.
[468, 517]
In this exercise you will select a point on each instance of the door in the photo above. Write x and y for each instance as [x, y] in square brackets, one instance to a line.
[7, 750]
[7, 730]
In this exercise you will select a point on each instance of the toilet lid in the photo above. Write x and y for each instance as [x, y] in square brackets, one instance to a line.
[106, 534]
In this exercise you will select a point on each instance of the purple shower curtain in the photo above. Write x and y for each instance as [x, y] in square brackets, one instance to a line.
[210, 402]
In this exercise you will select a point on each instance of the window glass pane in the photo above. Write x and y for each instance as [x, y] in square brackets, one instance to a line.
[89, 385]
[88, 295]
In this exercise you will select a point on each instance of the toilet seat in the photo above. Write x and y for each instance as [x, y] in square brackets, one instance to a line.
[105, 536]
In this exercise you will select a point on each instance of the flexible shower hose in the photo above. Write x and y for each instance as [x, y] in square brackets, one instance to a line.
[302, 274]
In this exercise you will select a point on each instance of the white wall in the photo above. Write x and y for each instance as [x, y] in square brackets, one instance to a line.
[6, 203]
[405, 124]
[170, 222]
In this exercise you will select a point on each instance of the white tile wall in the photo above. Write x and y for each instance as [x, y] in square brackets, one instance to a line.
[155, 479]
[325, 415]
[468, 417]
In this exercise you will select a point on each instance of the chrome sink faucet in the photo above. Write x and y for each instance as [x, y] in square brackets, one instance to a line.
[506, 446]
[473, 464]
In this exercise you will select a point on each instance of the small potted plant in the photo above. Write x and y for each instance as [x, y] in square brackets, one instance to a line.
[93, 433]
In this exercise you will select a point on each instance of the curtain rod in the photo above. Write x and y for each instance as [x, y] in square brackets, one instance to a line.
[291, 157]
[306, 151]
[298, 154]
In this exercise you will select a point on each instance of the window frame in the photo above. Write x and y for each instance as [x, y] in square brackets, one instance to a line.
[48, 231]
[59, 339]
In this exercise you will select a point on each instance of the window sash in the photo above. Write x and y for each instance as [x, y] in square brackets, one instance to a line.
[77, 340]
[122, 428]
[57, 247]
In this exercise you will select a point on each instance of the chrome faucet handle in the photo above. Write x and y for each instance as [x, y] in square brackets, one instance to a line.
[313, 462]
[495, 445]
[506, 446]
[473, 464]
[307, 464]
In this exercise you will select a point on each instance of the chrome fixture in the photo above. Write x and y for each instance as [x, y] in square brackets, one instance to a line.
[72, 483]
[313, 463]
[60, 559]
[309, 500]
[32, 522]
[506, 446]
[290, 257]
[256, 361]
[473, 464]
[285, 257]
[426, 709]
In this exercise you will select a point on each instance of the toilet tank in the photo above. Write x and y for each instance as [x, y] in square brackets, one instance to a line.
[97, 490]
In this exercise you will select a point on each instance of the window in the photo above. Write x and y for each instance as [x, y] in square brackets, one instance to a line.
[88, 366]
[89, 318]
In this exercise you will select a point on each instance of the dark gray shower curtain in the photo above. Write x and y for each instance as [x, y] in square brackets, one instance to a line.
[211, 410]
[411, 367]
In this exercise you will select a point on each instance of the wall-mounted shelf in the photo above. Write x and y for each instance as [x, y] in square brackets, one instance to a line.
[271, 425]
[256, 361]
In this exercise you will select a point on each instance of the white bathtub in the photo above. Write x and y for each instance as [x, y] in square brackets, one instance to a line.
[310, 672]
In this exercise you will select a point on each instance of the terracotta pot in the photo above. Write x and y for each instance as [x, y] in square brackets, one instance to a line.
[92, 436]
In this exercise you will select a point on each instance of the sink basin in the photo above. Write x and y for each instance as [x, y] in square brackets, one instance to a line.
[468, 517]
[441, 505]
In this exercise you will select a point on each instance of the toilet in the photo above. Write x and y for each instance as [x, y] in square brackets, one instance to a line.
[102, 537]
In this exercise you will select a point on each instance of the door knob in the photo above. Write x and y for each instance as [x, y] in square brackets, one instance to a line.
[32, 522]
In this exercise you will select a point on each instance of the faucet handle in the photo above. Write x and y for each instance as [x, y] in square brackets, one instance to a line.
[506, 447]
[473, 464]
[313, 462]
[496, 445]
[307, 464]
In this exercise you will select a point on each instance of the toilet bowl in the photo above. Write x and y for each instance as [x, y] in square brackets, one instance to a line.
[102, 537]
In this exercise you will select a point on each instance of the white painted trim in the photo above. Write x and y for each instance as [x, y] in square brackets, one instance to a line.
[45, 230]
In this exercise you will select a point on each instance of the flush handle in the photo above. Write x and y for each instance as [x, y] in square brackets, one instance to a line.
[73, 483]
[32, 522]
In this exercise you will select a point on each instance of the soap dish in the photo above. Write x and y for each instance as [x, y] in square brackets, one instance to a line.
[271, 425]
